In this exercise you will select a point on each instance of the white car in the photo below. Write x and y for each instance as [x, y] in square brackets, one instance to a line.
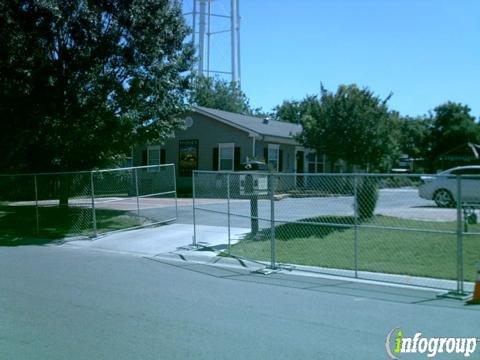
[442, 188]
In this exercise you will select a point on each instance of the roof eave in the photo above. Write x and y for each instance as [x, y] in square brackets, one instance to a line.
[280, 139]
[219, 118]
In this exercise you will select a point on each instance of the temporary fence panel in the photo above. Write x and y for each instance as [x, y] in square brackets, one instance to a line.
[371, 226]
[87, 203]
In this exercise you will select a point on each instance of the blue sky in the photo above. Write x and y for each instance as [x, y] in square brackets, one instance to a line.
[424, 51]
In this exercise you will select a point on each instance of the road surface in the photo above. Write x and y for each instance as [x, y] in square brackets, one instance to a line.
[66, 303]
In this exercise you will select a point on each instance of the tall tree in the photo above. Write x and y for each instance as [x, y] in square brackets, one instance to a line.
[452, 126]
[82, 81]
[295, 111]
[220, 94]
[354, 125]
[413, 133]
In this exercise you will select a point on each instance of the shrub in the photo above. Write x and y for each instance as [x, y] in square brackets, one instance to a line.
[367, 196]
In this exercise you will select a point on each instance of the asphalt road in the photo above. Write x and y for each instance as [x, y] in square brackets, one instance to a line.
[403, 203]
[65, 303]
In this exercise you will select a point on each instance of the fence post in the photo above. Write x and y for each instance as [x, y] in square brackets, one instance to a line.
[250, 189]
[36, 204]
[459, 237]
[175, 190]
[94, 216]
[272, 221]
[355, 223]
[228, 211]
[137, 194]
[194, 243]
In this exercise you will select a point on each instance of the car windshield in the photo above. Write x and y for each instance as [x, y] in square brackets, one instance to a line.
[466, 171]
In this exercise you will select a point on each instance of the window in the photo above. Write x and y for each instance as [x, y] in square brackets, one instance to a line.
[155, 155]
[237, 165]
[273, 156]
[226, 156]
[315, 163]
[466, 171]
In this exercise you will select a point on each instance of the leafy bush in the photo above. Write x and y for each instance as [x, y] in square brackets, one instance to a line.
[367, 196]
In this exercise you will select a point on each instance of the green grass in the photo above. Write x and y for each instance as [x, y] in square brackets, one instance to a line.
[380, 250]
[18, 223]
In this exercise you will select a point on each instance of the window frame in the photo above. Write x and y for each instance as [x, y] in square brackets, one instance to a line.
[275, 148]
[318, 162]
[153, 148]
[226, 146]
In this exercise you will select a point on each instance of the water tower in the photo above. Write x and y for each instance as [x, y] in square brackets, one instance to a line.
[216, 36]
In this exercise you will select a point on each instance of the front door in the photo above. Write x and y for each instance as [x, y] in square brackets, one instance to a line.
[300, 168]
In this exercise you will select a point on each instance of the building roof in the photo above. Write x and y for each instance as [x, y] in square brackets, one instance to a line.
[253, 124]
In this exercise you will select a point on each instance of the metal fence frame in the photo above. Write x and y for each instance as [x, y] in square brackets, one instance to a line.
[459, 233]
[94, 200]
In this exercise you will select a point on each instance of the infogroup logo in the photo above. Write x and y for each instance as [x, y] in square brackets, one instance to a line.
[397, 343]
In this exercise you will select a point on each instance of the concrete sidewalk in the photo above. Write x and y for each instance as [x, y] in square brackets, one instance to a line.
[174, 242]
[161, 239]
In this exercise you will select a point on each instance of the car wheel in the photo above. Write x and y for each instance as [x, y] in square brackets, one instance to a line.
[443, 198]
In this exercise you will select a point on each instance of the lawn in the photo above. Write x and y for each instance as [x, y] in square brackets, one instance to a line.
[379, 250]
[18, 223]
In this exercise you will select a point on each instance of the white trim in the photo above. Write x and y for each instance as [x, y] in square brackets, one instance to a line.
[279, 140]
[226, 145]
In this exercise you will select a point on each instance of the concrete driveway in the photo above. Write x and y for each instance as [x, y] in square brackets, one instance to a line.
[162, 239]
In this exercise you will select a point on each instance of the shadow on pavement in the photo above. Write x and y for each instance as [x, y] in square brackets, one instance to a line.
[360, 291]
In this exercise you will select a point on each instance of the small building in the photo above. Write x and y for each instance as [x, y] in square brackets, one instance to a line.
[220, 140]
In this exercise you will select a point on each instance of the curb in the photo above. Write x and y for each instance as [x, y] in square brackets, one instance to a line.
[211, 258]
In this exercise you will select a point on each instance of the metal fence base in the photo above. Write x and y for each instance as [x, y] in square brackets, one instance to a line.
[265, 271]
[455, 295]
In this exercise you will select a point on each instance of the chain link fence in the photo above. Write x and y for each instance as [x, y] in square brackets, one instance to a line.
[408, 229]
[58, 205]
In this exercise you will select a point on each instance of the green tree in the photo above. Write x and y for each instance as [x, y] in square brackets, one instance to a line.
[452, 126]
[295, 111]
[216, 93]
[413, 132]
[354, 125]
[83, 81]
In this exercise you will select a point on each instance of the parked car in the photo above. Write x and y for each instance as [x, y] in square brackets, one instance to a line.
[442, 188]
